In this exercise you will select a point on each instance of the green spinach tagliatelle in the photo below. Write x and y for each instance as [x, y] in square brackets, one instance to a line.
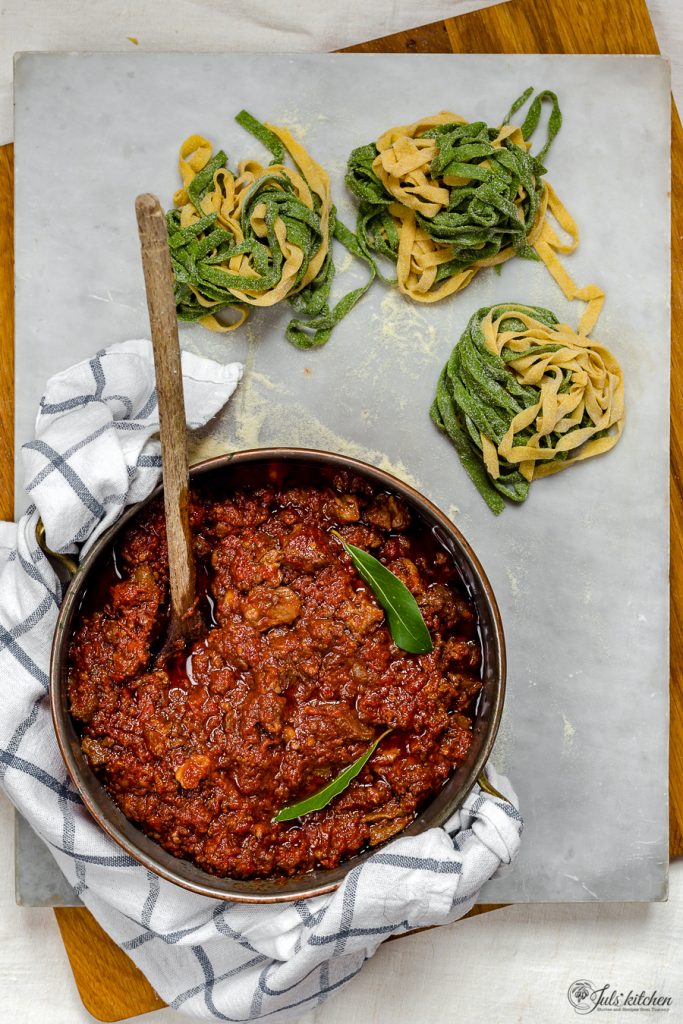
[523, 396]
[257, 236]
[443, 198]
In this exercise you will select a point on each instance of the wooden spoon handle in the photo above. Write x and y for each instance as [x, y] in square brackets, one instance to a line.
[156, 263]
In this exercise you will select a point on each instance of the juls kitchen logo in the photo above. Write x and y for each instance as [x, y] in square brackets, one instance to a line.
[585, 997]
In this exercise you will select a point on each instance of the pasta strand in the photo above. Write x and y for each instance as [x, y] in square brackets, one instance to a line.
[257, 236]
[523, 396]
[443, 199]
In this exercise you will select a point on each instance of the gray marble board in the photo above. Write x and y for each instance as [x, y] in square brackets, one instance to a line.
[581, 570]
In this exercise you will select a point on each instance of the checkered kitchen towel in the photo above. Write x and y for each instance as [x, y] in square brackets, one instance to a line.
[93, 454]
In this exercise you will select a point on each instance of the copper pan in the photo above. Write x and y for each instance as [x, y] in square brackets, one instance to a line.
[314, 883]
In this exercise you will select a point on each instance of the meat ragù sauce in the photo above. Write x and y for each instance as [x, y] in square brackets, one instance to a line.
[295, 675]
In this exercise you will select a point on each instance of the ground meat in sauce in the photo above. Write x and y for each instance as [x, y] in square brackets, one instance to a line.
[294, 678]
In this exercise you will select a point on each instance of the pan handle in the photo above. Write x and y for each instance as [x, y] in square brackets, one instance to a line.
[484, 784]
[57, 560]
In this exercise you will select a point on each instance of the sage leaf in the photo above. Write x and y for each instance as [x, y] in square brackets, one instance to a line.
[322, 798]
[406, 625]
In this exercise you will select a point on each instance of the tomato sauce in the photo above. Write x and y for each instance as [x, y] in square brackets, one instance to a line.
[293, 677]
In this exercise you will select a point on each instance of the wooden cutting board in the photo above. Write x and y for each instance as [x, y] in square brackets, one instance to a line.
[110, 985]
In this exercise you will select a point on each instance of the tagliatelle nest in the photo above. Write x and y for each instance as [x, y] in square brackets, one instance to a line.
[523, 396]
[444, 198]
[256, 237]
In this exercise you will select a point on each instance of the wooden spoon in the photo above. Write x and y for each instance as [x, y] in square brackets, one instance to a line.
[184, 620]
